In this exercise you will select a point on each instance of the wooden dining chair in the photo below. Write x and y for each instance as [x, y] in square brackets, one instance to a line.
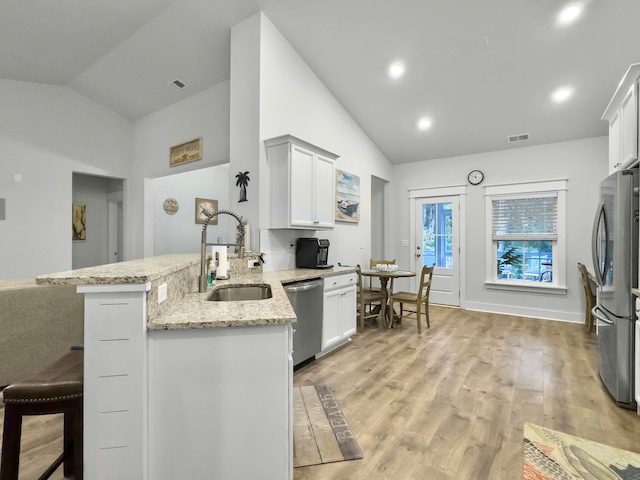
[419, 299]
[372, 265]
[367, 301]
[590, 298]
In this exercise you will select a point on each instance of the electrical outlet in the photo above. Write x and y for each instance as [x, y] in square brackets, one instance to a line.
[162, 293]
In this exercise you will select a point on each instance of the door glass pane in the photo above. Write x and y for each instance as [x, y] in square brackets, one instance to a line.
[437, 231]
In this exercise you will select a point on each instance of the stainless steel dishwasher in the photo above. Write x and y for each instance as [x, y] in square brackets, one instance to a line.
[306, 298]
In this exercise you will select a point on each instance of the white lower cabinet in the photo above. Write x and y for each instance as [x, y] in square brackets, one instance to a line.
[220, 403]
[339, 317]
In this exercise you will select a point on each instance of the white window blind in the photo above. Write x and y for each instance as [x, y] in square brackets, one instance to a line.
[533, 218]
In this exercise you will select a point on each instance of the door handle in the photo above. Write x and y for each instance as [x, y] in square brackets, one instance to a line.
[599, 264]
[595, 311]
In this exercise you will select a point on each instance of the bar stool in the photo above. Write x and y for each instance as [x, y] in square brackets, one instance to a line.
[57, 389]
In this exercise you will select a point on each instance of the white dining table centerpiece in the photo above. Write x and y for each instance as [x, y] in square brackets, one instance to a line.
[384, 267]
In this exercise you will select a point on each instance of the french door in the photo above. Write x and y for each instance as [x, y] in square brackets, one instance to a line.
[438, 243]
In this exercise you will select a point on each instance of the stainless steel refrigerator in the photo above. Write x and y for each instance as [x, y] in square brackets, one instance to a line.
[615, 262]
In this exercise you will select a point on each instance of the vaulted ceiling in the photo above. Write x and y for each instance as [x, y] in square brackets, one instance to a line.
[480, 70]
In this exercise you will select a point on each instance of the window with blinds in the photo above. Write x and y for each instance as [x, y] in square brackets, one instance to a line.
[533, 218]
[526, 236]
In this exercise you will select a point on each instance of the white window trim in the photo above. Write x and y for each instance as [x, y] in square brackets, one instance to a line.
[520, 190]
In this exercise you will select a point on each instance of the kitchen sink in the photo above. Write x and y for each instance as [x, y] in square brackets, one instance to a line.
[236, 293]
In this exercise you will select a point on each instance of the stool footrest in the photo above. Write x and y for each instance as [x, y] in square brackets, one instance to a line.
[52, 468]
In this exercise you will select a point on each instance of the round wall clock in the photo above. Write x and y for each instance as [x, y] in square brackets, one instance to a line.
[170, 206]
[475, 177]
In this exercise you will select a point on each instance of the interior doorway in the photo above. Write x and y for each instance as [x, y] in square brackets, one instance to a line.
[115, 223]
[377, 217]
[102, 198]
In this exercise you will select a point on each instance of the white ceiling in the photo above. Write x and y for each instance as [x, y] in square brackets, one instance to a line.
[482, 69]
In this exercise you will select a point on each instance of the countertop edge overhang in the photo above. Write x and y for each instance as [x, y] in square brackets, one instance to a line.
[193, 310]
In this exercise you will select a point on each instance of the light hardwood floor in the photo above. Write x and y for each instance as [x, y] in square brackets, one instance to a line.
[449, 404]
[452, 403]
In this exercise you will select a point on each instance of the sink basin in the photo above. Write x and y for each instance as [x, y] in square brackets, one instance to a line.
[236, 293]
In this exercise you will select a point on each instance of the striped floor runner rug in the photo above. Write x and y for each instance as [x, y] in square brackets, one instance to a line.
[320, 431]
[551, 455]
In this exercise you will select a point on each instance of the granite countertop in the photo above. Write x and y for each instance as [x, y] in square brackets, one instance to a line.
[133, 271]
[195, 311]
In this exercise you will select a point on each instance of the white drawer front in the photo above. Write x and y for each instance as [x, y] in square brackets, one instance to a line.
[340, 281]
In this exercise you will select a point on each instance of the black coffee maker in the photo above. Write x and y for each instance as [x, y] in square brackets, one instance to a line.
[312, 253]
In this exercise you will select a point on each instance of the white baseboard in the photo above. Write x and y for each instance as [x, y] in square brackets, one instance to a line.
[571, 317]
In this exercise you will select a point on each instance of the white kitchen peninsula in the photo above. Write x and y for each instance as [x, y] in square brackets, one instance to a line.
[167, 394]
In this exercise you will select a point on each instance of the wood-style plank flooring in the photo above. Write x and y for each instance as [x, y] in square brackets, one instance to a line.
[449, 404]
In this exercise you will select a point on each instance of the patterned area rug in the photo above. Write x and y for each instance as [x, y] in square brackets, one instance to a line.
[551, 455]
[320, 431]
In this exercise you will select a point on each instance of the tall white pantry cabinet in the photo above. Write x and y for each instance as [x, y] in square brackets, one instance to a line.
[301, 184]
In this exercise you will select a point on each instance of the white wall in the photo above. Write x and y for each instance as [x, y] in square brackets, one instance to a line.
[203, 115]
[179, 233]
[582, 162]
[294, 101]
[47, 133]
[244, 147]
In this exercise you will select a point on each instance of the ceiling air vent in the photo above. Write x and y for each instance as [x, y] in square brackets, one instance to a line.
[518, 138]
[177, 84]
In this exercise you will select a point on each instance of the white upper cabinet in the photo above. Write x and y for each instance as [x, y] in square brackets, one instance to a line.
[301, 184]
[622, 115]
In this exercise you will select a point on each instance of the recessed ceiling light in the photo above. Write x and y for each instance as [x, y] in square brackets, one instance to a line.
[424, 123]
[561, 94]
[569, 13]
[396, 69]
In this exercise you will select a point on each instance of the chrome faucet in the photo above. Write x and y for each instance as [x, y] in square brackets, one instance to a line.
[202, 280]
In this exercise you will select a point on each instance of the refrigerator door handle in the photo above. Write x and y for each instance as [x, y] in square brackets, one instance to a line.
[601, 274]
[595, 312]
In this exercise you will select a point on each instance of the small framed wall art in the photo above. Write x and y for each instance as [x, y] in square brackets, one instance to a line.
[79, 221]
[203, 204]
[186, 152]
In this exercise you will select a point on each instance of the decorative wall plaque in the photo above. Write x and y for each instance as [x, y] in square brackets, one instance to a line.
[186, 152]
[171, 206]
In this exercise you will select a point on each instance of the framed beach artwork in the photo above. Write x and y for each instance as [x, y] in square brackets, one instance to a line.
[79, 221]
[203, 204]
[347, 197]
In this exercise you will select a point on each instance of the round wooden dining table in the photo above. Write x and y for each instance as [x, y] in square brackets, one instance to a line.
[384, 276]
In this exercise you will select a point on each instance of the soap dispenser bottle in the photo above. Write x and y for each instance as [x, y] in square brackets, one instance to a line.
[211, 272]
